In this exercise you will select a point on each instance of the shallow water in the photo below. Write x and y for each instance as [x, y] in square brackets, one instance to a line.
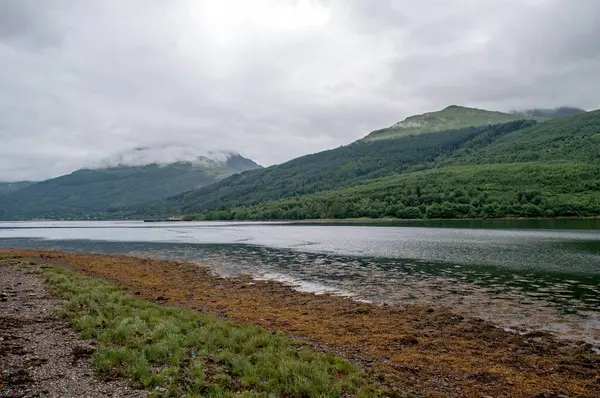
[542, 274]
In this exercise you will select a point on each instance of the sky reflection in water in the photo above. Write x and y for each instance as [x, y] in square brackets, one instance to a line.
[527, 277]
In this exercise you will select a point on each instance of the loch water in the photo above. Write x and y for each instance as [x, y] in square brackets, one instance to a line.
[521, 274]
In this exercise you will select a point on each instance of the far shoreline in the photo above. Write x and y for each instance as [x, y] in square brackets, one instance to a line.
[314, 220]
[376, 220]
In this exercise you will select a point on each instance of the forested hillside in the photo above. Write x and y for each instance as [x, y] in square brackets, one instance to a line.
[362, 160]
[6, 187]
[100, 192]
[517, 169]
[574, 139]
[485, 191]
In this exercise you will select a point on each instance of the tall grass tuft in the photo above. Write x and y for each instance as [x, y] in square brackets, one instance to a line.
[175, 352]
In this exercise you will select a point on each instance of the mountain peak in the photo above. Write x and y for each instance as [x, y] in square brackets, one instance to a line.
[133, 177]
[453, 117]
[450, 107]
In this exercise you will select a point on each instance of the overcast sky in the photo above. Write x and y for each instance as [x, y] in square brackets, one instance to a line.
[81, 81]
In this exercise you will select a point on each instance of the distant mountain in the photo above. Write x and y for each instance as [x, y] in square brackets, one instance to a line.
[552, 113]
[522, 168]
[451, 118]
[6, 187]
[109, 189]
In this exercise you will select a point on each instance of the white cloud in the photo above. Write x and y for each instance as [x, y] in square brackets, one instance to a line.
[164, 154]
[84, 81]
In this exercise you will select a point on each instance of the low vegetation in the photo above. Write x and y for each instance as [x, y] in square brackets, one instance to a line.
[412, 349]
[176, 352]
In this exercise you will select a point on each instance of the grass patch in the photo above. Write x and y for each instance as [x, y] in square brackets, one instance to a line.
[175, 352]
[12, 259]
[4, 257]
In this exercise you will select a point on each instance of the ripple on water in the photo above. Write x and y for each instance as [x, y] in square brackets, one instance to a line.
[526, 300]
[515, 278]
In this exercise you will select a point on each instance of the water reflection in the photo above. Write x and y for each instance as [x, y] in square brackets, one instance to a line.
[532, 278]
[566, 303]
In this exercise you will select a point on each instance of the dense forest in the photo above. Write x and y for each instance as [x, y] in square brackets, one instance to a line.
[573, 139]
[522, 168]
[488, 191]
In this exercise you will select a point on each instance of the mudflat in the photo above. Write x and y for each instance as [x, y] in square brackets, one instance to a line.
[424, 350]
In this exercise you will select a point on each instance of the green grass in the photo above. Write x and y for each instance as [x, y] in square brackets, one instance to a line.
[8, 256]
[175, 352]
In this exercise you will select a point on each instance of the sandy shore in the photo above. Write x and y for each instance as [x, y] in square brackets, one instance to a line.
[425, 349]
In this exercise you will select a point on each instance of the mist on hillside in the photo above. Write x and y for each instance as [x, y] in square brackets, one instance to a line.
[554, 113]
[165, 154]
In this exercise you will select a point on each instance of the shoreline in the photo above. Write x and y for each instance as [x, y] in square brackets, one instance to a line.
[425, 220]
[330, 220]
[421, 348]
[378, 220]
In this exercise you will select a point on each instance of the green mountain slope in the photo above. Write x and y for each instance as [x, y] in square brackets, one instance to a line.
[451, 118]
[571, 139]
[110, 189]
[6, 187]
[520, 168]
[482, 191]
[327, 170]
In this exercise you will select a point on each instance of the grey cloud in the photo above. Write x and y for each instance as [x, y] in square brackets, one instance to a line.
[83, 82]
[33, 24]
[541, 52]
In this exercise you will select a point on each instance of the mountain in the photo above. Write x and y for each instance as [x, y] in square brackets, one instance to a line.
[523, 168]
[451, 118]
[6, 187]
[573, 139]
[109, 189]
[552, 113]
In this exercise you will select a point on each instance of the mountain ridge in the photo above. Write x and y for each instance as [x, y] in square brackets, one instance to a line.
[165, 154]
[100, 190]
[407, 174]
[288, 190]
[452, 117]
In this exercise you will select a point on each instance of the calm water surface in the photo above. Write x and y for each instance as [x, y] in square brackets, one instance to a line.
[521, 274]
